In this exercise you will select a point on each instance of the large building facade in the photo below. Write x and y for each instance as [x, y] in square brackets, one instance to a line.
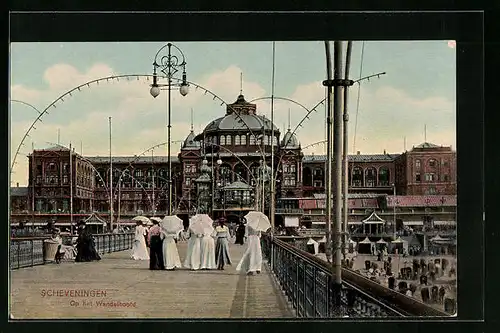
[225, 170]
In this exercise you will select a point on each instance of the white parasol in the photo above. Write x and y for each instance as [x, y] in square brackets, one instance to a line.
[156, 218]
[258, 221]
[199, 225]
[204, 218]
[172, 224]
[142, 219]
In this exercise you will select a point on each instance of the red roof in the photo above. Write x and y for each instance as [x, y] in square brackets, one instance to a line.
[421, 200]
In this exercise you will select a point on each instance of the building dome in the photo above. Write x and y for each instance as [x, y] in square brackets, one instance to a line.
[190, 142]
[241, 116]
[241, 122]
[290, 140]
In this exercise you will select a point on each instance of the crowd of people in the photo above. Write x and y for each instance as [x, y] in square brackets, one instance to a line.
[205, 251]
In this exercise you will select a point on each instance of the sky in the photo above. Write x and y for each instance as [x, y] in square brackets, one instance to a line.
[414, 100]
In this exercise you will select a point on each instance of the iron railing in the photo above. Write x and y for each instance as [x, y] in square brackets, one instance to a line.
[309, 285]
[26, 252]
[29, 251]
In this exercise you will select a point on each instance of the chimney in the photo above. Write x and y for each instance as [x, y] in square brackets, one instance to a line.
[17, 184]
[358, 152]
[385, 152]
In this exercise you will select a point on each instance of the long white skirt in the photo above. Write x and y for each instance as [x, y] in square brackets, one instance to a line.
[170, 253]
[193, 254]
[208, 253]
[252, 258]
[139, 250]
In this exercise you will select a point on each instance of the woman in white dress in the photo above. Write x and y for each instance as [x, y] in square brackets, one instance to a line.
[193, 254]
[207, 247]
[251, 262]
[170, 253]
[139, 249]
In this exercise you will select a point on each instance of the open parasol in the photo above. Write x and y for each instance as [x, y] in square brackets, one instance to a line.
[258, 221]
[142, 219]
[198, 227]
[156, 218]
[172, 224]
[204, 218]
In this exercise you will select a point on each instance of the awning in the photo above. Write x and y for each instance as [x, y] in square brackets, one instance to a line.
[413, 223]
[366, 241]
[373, 219]
[445, 222]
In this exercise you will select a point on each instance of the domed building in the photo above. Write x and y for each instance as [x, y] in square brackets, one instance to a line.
[235, 147]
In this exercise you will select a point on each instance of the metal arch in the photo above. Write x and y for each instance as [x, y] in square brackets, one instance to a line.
[107, 79]
[238, 158]
[99, 174]
[280, 98]
[314, 144]
[86, 160]
[27, 104]
[314, 109]
[34, 108]
[216, 97]
[164, 143]
[61, 98]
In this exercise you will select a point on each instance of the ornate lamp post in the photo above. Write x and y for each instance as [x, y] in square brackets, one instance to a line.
[169, 64]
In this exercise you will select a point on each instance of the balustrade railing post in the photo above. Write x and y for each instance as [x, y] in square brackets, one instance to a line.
[304, 286]
[18, 253]
[314, 293]
[32, 253]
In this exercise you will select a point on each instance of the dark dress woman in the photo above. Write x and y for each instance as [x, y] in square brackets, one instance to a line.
[222, 256]
[85, 245]
[240, 234]
[155, 248]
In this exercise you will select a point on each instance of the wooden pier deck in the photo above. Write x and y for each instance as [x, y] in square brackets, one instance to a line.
[124, 288]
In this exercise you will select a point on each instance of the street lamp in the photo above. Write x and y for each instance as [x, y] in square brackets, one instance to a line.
[169, 64]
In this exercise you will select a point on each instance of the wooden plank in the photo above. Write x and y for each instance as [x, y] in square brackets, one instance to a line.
[144, 293]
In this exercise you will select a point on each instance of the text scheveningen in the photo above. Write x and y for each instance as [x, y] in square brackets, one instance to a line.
[73, 293]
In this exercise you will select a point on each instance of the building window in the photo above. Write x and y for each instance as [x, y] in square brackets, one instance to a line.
[228, 140]
[318, 172]
[417, 164]
[417, 177]
[285, 168]
[430, 177]
[253, 140]
[222, 140]
[357, 177]
[237, 140]
[318, 183]
[243, 140]
[188, 181]
[383, 177]
[138, 173]
[445, 163]
[432, 163]
[292, 168]
[446, 178]
[275, 141]
[52, 166]
[432, 190]
[370, 177]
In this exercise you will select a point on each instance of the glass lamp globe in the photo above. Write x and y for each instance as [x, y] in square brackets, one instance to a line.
[155, 91]
[219, 161]
[184, 89]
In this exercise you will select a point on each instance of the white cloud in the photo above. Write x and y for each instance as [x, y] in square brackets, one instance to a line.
[386, 114]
